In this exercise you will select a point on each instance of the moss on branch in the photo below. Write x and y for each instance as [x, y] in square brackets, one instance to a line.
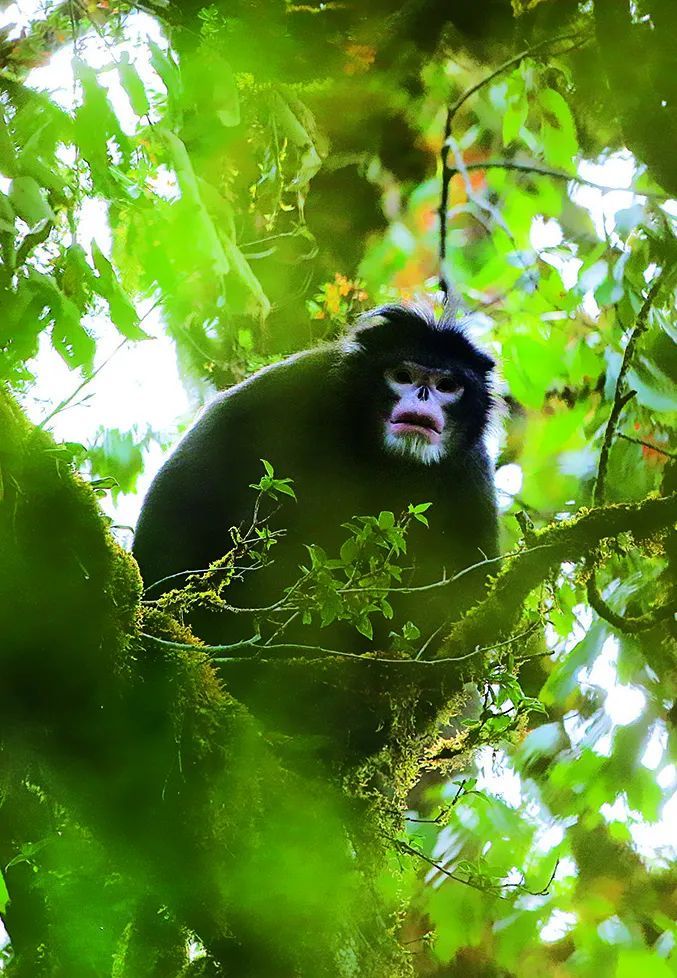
[181, 804]
[572, 540]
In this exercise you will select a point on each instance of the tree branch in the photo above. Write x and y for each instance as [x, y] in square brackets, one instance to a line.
[545, 171]
[489, 623]
[621, 398]
[496, 615]
[647, 444]
[629, 624]
[453, 109]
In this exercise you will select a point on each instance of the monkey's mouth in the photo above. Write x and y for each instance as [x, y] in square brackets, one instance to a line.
[410, 423]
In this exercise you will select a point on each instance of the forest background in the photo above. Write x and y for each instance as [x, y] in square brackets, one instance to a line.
[189, 192]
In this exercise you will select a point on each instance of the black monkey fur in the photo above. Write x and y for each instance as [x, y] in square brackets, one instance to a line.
[319, 418]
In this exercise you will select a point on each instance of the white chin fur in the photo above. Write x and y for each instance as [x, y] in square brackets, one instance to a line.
[415, 447]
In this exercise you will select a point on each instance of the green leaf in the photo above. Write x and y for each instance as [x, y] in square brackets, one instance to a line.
[283, 486]
[96, 124]
[28, 201]
[563, 679]
[226, 95]
[364, 627]
[48, 177]
[70, 339]
[77, 279]
[331, 607]
[297, 123]
[558, 130]
[609, 292]
[225, 256]
[458, 913]
[531, 366]
[410, 631]
[349, 551]
[133, 85]
[641, 963]
[8, 160]
[108, 482]
[514, 118]
[168, 71]
[117, 459]
[4, 895]
[655, 387]
[386, 520]
[122, 312]
[7, 216]
[72, 452]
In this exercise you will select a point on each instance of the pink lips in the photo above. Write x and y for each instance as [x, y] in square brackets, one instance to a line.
[414, 423]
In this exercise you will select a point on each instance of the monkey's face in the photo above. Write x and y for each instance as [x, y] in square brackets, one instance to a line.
[418, 424]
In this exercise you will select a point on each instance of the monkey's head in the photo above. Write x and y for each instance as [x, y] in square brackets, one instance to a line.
[428, 381]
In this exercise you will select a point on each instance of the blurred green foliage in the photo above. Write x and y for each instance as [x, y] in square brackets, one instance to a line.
[265, 175]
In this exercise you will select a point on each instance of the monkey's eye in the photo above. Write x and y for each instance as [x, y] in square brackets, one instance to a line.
[447, 385]
[402, 376]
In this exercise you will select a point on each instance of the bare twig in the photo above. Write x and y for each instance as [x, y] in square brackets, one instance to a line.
[453, 109]
[621, 398]
[479, 883]
[627, 624]
[224, 654]
[446, 581]
[90, 377]
[648, 444]
[408, 850]
[544, 171]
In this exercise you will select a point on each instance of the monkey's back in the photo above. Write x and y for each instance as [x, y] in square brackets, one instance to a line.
[203, 489]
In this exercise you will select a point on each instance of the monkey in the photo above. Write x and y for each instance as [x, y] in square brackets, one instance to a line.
[396, 412]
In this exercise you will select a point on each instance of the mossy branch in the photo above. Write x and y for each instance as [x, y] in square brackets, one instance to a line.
[629, 624]
[496, 615]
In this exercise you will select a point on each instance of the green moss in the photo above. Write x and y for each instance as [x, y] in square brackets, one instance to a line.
[169, 792]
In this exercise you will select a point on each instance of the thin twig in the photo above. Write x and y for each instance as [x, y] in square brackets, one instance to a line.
[475, 884]
[542, 892]
[621, 398]
[408, 850]
[236, 571]
[648, 444]
[71, 397]
[620, 401]
[446, 581]
[221, 654]
[628, 624]
[511, 63]
[451, 113]
[544, 171]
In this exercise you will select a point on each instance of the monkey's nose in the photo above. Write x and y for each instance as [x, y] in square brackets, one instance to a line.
[423, 394]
